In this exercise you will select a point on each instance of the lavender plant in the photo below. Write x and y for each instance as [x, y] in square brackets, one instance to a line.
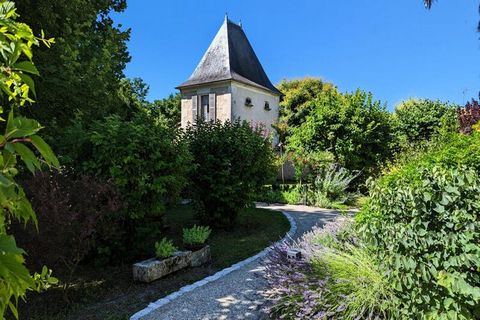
[293, 288]
[336, 278]
[330, 186]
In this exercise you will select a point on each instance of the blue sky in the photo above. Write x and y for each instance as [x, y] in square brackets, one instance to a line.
[395, 49]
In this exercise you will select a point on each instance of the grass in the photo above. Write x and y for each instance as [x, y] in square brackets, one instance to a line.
[354, 276]
[110, 293]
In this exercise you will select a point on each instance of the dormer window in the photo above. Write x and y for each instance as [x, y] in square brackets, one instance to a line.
[248, 102]
[267, 106]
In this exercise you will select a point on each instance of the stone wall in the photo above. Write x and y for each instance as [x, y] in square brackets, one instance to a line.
[222, 100]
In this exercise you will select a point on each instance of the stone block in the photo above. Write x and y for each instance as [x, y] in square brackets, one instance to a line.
[200, 257]
[153, 269]
[294, 254]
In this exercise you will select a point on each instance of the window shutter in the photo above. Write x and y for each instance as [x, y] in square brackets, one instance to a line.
[194, 108]
[212, 107]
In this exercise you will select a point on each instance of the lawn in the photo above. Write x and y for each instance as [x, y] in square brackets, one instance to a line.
[110, 293]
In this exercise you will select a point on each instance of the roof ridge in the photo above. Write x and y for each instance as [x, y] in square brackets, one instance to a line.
[228, 21]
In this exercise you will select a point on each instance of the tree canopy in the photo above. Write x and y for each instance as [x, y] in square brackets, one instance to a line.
[298, 101]
[354, 127]
[418, 120]
[83, 71]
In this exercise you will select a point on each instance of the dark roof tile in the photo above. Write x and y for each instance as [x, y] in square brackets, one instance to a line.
[230, 57]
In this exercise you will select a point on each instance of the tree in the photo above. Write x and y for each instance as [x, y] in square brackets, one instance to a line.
[353, 127]
[19, 138]
[428, 3]
[133, 93]
[83, 72]
[169, 108]
[298, 101]
[418, 120]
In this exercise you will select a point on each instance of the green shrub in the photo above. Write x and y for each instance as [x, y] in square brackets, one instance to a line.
[268, 194]
[423, 221]
[231, 162]
[330, 187]
[147, 162]
[196, 235]
[164, 248]
[295, 194]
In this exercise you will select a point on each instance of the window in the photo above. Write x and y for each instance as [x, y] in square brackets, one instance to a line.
[204, 107]
[267, 106]
[248, 102]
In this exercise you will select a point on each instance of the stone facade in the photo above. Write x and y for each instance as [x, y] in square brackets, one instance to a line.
[230, 104]
[229, 83]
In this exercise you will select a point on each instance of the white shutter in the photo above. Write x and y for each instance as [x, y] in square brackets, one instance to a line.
[194, 108]
[212, 107]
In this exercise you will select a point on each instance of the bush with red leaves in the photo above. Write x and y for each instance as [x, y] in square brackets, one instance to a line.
[74, 213]
[469, 116]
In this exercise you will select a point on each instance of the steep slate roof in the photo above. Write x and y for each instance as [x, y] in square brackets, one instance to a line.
[230, 57]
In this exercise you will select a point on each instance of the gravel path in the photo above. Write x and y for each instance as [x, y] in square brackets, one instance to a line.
[237, 295]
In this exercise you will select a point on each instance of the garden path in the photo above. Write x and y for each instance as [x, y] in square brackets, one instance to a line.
[238, 295]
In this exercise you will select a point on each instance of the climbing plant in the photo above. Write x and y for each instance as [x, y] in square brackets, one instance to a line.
[19, 141]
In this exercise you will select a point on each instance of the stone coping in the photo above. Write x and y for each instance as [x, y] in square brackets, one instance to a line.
[172, 296]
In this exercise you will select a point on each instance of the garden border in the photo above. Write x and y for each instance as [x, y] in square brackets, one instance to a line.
[172, 296]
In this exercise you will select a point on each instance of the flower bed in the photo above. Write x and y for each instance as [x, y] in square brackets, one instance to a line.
[336, 277]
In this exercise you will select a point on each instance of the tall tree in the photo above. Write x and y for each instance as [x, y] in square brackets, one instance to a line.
[84, 69]
[298, 101]
[353, 127]
[169, 108]
[419, 120]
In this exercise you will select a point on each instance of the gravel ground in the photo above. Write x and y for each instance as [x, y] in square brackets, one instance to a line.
[238, 295]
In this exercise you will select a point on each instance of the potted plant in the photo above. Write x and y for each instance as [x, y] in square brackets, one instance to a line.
[168, 260]
[195, 239]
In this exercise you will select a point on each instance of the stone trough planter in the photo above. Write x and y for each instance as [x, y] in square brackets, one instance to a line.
[200, 257]
[153, 269]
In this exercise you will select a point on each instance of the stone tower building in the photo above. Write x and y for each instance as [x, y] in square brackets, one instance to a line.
[230, 83]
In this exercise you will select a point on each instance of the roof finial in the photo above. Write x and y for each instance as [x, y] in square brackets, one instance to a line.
[240, 23]
[226, 16]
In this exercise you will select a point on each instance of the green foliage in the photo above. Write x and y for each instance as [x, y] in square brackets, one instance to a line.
[418, 121]
[355, 285]
[133, 93]
[196, 235]
[330, 187]
[18, 140]
[337, 277]
[285, 193]
[83, 71]
[164, 248]
[147, 162]
[231, 162]
[422, 220]
[354, 128]
[298, 101]
[149, 167]
[168, 108]
[295, 194]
